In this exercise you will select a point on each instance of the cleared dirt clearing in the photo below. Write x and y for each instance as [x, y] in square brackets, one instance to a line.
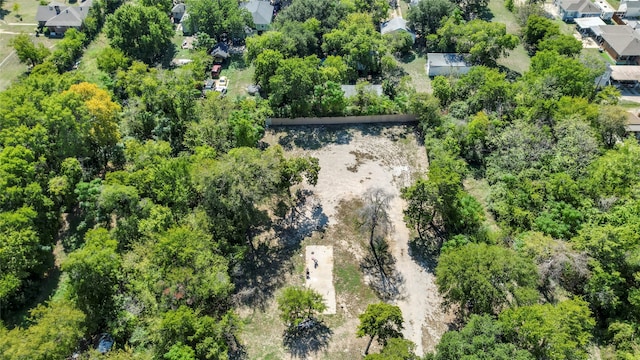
[354, 159]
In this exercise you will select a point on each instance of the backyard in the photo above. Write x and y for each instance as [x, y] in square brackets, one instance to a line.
[13, 23]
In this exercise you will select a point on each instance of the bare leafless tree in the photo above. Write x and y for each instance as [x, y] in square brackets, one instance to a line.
[376, 222]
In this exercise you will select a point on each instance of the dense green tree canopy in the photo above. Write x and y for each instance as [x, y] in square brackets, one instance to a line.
[427, 15]
[481, 338]
[141, 32]
[483, 279]
[219, 17]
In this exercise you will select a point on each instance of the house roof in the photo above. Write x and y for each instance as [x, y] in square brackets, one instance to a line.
[583, 6]
[604, 6]
[351, 90]
[221, 50]
[588, 22]
[396, 24]
[633, 122]
[261, 11]
[179, 8]
[625, 73]
[57, 14]
[447, 59]
[621, 38]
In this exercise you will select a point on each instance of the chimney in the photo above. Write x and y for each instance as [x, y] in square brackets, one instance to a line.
[57, 9]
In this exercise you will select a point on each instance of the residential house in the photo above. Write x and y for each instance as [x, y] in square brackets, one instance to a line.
[220, 53]
[395, 25]
[61, 17]
[447, 64]
[178, 12]
[571, 9]
[606, 10]
[621, 42]
[261, 12]
[629, 8]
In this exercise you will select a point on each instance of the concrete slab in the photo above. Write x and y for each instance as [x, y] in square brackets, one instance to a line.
[321, 276]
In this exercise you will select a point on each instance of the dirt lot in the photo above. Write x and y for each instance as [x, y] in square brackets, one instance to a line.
[352, 160]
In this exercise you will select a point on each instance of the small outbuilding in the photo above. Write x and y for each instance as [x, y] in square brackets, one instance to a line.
[446, 64]
[220, 52]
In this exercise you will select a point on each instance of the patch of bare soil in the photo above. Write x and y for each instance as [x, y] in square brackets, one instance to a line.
[353, 160]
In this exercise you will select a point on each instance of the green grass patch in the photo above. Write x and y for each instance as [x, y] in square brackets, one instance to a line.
[414, 66]
[10, 26]
[240, 75]
[88, 66]
[518, 59]
[347, 278]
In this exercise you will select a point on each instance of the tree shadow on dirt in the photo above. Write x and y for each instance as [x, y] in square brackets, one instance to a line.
[238, 353]
[315, 137]
[259, 276]
[301, 342]
[425, 253]
[383, 277]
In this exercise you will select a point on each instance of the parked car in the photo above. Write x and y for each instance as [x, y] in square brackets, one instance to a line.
[222, 84]
[215, 71]
[208, 85]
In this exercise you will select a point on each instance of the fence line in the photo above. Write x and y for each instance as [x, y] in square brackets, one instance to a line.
[343, 120]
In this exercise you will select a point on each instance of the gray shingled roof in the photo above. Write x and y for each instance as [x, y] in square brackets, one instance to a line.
[261, 11]
[622, 39]
[179, 8]
[396, 24]
[583, 6]
[71, 16]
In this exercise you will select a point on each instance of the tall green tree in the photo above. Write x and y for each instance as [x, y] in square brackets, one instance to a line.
[485, 42]
[395, 349]
[94, 274]
[56, 328]
[482, 338]
[427, 15]
[380, 321]
[218, 17]
[141, 32]
[558, 332]
[484, 279]
[298, 304]
[27, 51]
[358, 42]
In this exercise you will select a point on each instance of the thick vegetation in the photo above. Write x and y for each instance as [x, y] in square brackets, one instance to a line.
[142, 199]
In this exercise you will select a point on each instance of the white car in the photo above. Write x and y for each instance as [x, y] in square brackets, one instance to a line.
[222, 84]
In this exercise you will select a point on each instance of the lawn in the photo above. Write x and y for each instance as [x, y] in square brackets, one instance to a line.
[518, 59]
[414, 65]
[89, 65]
[10, 26]
[240, 75]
